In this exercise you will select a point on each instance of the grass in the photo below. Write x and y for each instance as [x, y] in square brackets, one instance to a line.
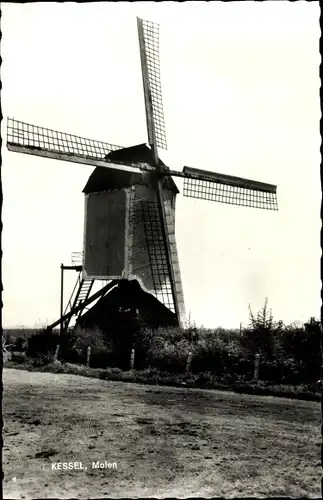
[166, 441]
[162, 378]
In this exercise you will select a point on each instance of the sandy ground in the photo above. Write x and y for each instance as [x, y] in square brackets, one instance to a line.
[166, 442]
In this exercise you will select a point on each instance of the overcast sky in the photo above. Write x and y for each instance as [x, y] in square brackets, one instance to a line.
[241, 96]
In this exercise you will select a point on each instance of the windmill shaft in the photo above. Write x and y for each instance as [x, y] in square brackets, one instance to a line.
[188, 173]
[17, 148]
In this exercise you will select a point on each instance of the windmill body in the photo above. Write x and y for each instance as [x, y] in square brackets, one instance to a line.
[122, 235]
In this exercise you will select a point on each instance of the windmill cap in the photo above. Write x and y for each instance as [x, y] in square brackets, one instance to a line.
[106, 179]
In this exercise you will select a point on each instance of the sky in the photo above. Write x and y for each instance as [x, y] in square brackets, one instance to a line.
[240, 87]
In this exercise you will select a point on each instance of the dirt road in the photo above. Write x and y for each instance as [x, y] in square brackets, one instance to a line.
[163, 441]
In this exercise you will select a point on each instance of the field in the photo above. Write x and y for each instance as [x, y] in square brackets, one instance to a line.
[165, 441]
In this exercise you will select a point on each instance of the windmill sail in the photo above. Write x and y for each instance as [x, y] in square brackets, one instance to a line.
[148, 33]
[223, 188]
[39, 141]
[24, 135]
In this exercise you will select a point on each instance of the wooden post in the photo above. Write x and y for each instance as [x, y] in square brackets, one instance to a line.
[88, 356]
[62, 299]
[256, 369]
[132, 359]
[188, 362]
[56, 353]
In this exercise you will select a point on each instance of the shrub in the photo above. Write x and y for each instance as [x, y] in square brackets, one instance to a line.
[7, 338]
[288, 354]
[220, 352]
[75, 344]
[70, 349]
[142, 342]
[42, 343]
[263, 335]
[20, 344]
[105, 352]
[42, 360]
[287, 371]
[301, 346]
[167, 349]
[18, 356]
[311, 356]
[205, 380]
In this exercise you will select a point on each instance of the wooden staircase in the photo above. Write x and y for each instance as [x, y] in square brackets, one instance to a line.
[80, 294]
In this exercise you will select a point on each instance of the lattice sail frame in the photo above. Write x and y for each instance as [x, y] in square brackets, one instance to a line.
[147, 248]
[230, 194]
[157, 253]
[150, 34]
[45, 139]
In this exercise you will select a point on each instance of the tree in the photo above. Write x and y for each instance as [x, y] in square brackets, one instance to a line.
[263, 334]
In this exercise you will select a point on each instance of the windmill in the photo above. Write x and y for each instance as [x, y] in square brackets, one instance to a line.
[129, 226]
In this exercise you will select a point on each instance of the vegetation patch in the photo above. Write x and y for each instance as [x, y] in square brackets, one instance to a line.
[289, 356]
[162, 378]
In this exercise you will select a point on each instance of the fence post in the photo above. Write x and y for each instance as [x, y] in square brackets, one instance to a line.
[88, 356]
[188, 362]
[132, 359]
[56, 353]
[256, 368]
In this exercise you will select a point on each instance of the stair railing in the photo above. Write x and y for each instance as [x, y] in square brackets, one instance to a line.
[74, 292]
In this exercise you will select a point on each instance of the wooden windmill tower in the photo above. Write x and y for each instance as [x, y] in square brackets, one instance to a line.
[129, 228]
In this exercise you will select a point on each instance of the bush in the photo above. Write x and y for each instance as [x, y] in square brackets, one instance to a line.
[205, 380]
[303, 345]
[263, 335]
[18, 357]
[42, 360]
[165, 349]
[42, 343]
[20, 344]
[288, 354]
[220, 352]
[142, 342]
[75, 344]
[114, 374]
